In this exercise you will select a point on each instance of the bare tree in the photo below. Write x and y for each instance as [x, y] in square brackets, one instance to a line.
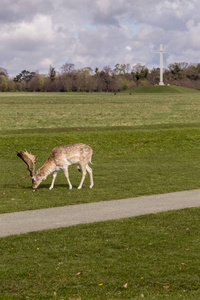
[68, 68]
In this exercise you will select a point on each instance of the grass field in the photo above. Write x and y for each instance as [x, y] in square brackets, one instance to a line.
[125, 163]
[150, 257]
[29, 112]
[144, 143]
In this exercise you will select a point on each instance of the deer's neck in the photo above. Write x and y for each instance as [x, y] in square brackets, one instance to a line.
[48, 167]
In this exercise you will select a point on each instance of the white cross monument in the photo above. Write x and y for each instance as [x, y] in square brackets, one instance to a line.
[161, 51]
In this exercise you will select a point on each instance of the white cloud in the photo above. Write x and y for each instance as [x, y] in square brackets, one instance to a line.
[35, 34]
[128, 48]
[27, 36]
[45, 63]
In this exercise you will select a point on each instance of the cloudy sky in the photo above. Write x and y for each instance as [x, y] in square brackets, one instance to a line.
[38, 33]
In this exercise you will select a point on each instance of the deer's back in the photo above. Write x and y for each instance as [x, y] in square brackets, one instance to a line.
[72, 153]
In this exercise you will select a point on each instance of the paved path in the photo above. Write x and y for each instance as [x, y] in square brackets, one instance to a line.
[49, 218]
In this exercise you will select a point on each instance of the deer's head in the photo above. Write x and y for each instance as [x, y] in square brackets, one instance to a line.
[29, 160]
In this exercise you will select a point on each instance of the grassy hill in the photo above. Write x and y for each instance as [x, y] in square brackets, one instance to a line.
[172, 89]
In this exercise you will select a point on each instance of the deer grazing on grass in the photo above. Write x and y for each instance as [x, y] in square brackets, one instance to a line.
[60, 159]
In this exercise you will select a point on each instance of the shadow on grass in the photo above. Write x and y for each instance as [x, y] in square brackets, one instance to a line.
[59, 185]
[99, 128]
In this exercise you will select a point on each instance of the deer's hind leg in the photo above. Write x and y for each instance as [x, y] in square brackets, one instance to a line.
[89, 170]
[83, 169]
[67, 176]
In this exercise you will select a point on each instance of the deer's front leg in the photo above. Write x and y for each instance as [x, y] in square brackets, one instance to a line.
[67, 176]
[54, 178]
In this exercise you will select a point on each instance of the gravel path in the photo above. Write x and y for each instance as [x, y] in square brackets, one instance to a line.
[49, 218]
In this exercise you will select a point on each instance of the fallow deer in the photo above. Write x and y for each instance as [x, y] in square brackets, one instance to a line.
[60, 159]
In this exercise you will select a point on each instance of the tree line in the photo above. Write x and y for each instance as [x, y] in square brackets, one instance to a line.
[121, 77]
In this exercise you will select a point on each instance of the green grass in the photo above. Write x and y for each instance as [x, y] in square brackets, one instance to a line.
[156, 256]
[155, 152]
[145, 143]
[31, 111]
[126, 163]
